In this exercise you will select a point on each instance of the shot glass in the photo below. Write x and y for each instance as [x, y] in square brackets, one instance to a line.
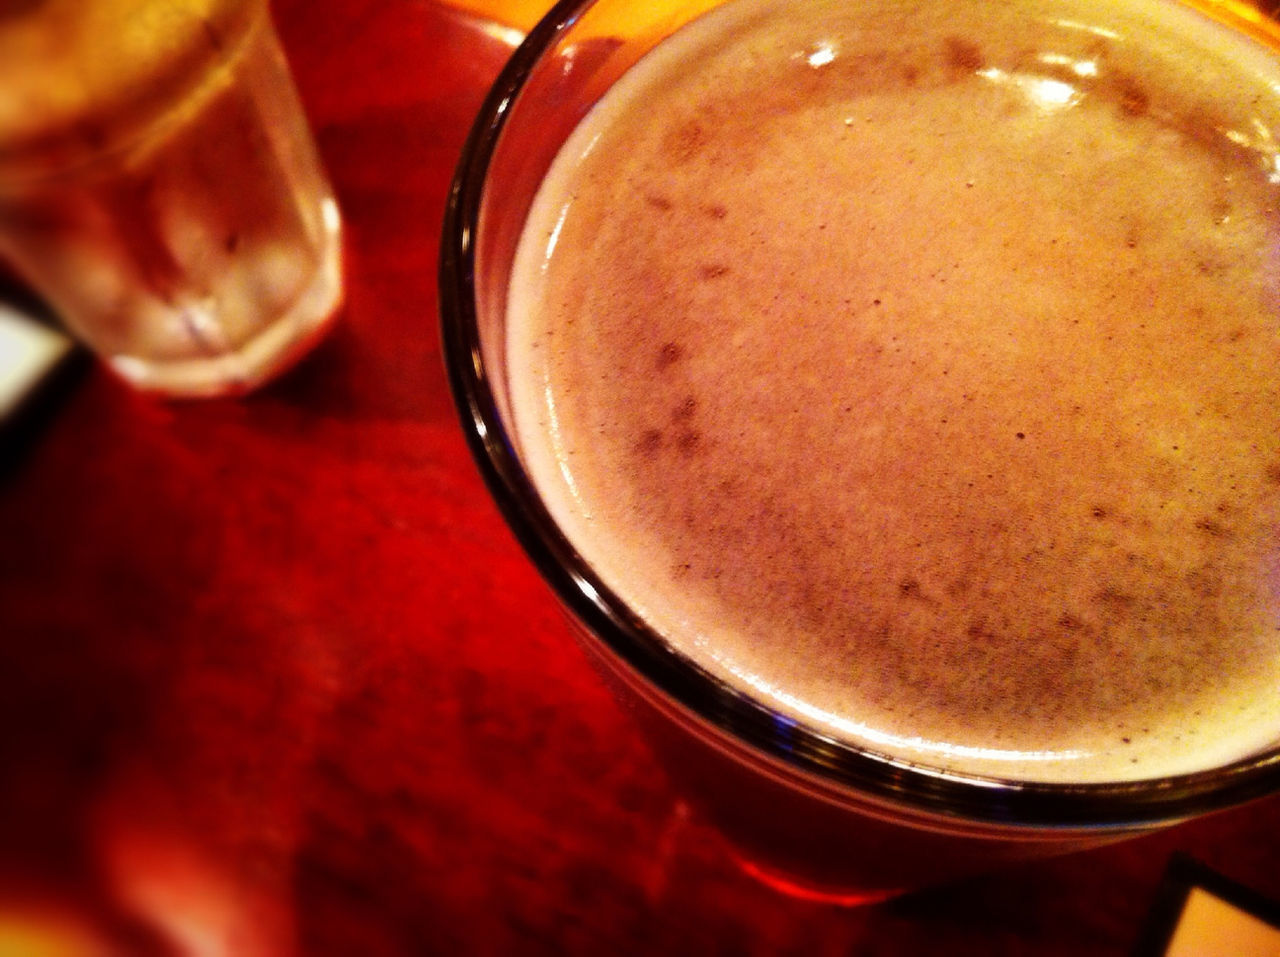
[160, 189]
[808, 811]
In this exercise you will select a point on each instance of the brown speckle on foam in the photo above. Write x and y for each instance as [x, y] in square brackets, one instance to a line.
[978, 630]
[1134, 99]
[715, 210]
[1213, 528]
[689, 442]
[684, 142]
[669, 355]
[685, 410]
[713, 271]
[658, 201]
[963, 56]
[1070, 622]
[649, 443]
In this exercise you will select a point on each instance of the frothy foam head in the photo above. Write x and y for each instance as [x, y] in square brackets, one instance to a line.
[914, 368]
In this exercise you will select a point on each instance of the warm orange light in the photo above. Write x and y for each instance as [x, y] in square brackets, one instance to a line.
[523, 14]
[1242, 16]
[34, 932]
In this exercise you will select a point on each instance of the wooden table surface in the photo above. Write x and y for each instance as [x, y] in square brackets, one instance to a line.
[275, 678]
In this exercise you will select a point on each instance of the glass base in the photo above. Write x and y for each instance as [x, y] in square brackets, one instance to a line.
[800, 889]
[268, 354]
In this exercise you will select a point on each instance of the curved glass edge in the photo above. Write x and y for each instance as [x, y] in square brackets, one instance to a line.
[950, 794]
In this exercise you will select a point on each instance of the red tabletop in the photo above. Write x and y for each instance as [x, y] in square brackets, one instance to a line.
[276, 679]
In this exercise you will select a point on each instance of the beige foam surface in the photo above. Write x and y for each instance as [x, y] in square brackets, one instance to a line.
[925, 383]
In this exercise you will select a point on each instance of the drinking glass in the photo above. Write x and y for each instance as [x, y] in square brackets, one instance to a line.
[160, 189]
[804, 810]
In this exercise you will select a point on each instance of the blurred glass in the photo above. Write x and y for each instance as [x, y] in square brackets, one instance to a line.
[159, 187]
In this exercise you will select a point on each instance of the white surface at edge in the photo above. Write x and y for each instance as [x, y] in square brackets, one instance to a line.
[28, 351]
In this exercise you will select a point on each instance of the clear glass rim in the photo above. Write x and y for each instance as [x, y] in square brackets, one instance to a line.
[806, 749]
